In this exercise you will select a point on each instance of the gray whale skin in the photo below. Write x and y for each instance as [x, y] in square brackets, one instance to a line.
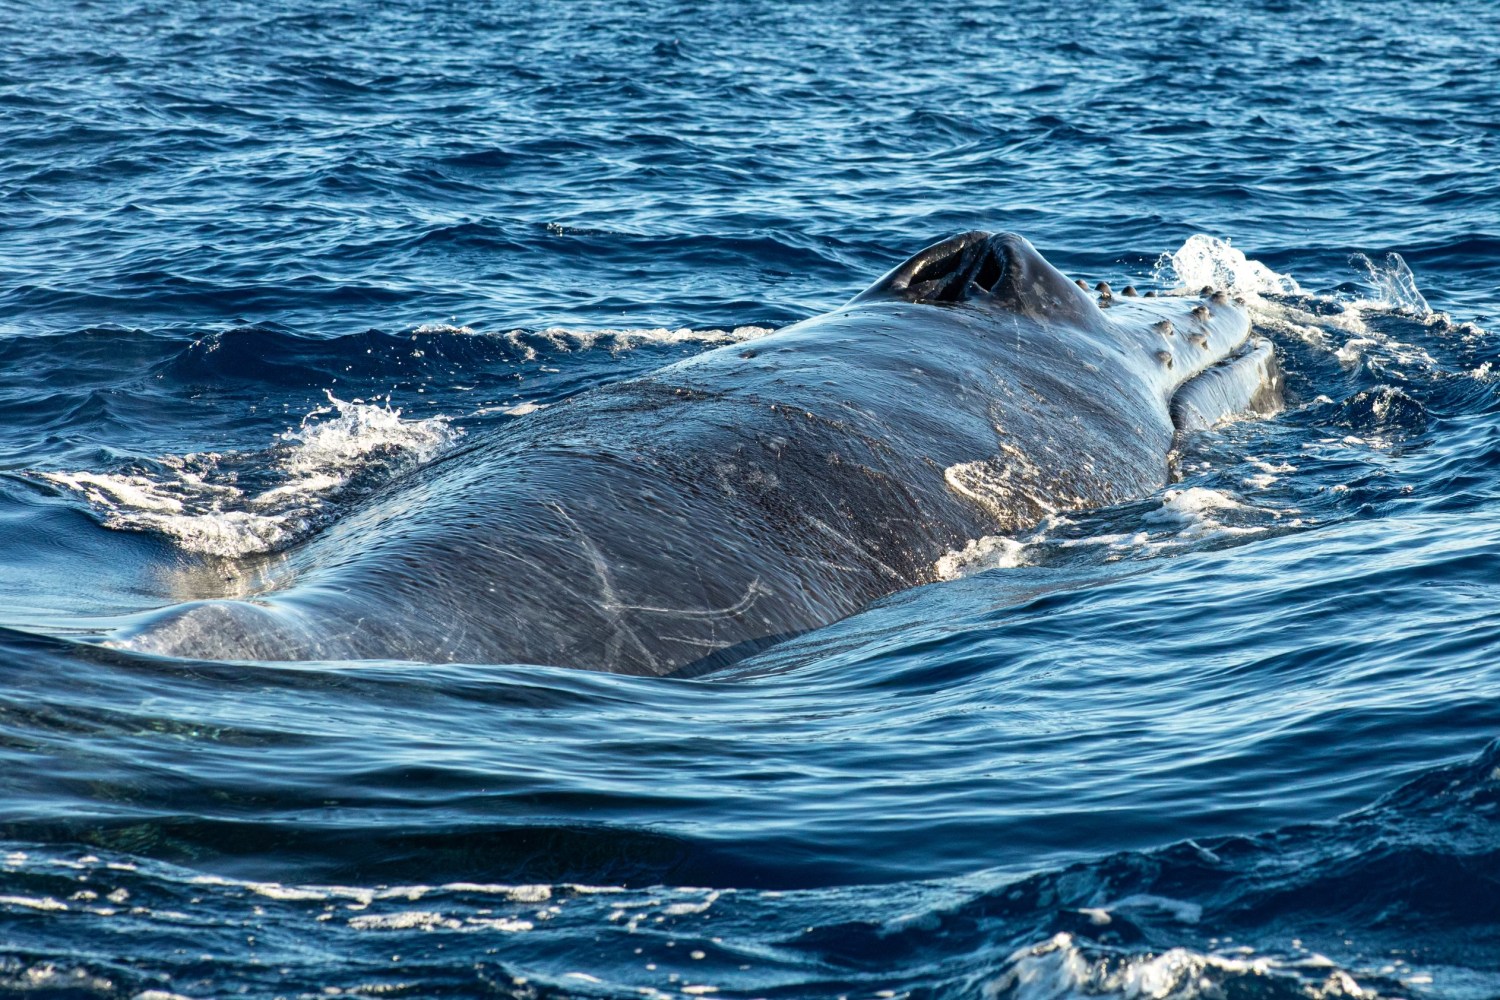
[676, 522]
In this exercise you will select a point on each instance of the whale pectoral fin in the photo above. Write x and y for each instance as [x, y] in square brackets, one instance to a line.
[1249, 382]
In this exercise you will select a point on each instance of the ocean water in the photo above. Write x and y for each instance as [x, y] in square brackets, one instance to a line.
[1233, 739]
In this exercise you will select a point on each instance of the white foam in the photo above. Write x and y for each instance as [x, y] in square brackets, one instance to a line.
[1059, 968]
[1193, 508]
[435, 328]
[505, 924]
[33, 902]
[1006, 486]
[1186, 518]
[682, 909]
[226, 534]
[322, 448]
[412, 919]
[1190, 517]
[197, 503]
[1207, 260]
[627, 338]
[47, 976]
[980, 554]
[515, 893]
[280, 892]
[1337, 324]
[359, 897]
[130, 491]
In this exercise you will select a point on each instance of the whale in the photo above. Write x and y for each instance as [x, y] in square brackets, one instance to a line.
[676, 522]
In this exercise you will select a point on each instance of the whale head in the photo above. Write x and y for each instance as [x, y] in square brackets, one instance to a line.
[1179, 346]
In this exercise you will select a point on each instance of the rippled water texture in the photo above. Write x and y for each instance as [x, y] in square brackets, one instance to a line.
[261, 264]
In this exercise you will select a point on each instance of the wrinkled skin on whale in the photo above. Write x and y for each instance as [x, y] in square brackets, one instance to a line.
[677, 522]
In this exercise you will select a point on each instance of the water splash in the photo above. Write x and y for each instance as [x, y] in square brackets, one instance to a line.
[980, 554]
[202, 503]
[1393, 284]
[1209, 261]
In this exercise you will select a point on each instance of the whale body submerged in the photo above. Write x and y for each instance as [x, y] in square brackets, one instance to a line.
[676, 522]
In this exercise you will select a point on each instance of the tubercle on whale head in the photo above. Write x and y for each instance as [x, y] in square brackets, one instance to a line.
[991, 270]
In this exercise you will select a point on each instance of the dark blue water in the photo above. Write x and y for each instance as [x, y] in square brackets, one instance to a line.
[1233, 739]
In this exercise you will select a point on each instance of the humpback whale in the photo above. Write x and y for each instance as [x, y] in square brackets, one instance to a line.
[676, 522]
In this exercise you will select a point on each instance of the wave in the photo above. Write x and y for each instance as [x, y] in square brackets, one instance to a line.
[200, 500]
[1389, 901]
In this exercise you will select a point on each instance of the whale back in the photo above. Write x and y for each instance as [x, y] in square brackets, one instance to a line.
[678, 521]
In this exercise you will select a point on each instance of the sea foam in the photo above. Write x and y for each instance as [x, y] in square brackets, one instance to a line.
[197, 501]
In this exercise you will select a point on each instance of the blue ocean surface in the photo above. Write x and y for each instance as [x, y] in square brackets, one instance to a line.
[260, 262]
